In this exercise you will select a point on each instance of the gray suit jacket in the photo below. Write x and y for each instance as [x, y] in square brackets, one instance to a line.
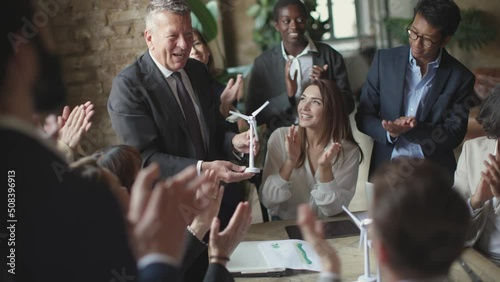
[145, 114]
[267, 82]
[442, 123]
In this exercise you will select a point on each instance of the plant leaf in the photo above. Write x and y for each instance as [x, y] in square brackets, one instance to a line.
[213, 7]
[396, 27]
[205, 19]
[474, 32]
[253, 10]
[261, 19]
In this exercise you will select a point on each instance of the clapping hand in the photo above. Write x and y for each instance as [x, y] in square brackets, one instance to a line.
[229, 95]
[489, 185]
[329, 154]
[70, 126]
[318, 72]
[399, 126]
[156, 216]
[222, 244]
[292, 145]
[312, 231]
[208, 200]
[73, 125]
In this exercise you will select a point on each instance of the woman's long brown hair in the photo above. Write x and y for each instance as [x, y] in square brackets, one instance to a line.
[336, 119]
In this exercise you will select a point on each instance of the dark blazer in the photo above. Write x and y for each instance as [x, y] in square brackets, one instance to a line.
[218, 273]
[158, 272]
[215, 273]
[267, 82]
[145, 114]
[67, 228]
[444, 113]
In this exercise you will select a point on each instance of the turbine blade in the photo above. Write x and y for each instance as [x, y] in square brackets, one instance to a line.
[232, 118]
[256, 135]
[256, 112]
[367, 221]
[239, 115]
[353, 217]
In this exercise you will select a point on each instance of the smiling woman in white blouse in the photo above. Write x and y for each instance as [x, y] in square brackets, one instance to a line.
[315, 162]
[477, 178]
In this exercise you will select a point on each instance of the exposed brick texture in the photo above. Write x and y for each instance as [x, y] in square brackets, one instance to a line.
[97, 39]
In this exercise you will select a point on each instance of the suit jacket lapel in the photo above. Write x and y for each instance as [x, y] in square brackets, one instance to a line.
[401, 63]
[278, 68]
[163, 92]
[438, 84]
[319, 60]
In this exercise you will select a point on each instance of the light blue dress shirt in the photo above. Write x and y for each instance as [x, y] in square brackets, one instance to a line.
[416, 88]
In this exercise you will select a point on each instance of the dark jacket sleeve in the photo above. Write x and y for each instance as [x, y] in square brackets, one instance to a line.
[218, 273]
[193, 249]
[132, 120]
[449, 132]
[267, 83]
[159, 272]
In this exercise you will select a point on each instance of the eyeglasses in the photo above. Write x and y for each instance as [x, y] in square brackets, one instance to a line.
[425, 41]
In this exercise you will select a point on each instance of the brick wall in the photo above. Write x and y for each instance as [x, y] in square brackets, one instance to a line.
[97, 39]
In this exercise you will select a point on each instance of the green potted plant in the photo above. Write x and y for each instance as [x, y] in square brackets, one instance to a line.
[473, 33]
[204, 18]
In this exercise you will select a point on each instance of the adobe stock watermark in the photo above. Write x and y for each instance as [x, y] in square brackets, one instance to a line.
[439, 137]
[121, 276]
[44, 10]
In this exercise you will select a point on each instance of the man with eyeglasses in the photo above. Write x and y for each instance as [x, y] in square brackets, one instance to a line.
[416, 98]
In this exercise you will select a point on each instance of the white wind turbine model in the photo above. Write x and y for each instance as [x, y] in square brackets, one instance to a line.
[363, 227]
[254, 137]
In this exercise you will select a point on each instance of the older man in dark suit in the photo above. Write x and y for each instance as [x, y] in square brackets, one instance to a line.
[63, 227]
[163, 105]
[416, 99]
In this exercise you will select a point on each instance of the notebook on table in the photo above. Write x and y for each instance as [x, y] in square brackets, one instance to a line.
[272, 258]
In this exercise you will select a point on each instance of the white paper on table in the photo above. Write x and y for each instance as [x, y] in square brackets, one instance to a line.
[248, 259]
[294, 254]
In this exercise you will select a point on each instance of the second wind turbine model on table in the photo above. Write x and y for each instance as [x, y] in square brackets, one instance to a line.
[363, 240]
[254, 137]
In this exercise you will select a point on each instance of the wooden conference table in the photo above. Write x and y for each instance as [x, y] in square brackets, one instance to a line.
[351, 256]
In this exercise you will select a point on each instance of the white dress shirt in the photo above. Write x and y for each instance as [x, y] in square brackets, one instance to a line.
[302, 63]
[415, 91]
[282, 197]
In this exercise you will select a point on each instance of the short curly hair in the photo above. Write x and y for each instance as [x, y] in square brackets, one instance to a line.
[489, 115]
[283, 3]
